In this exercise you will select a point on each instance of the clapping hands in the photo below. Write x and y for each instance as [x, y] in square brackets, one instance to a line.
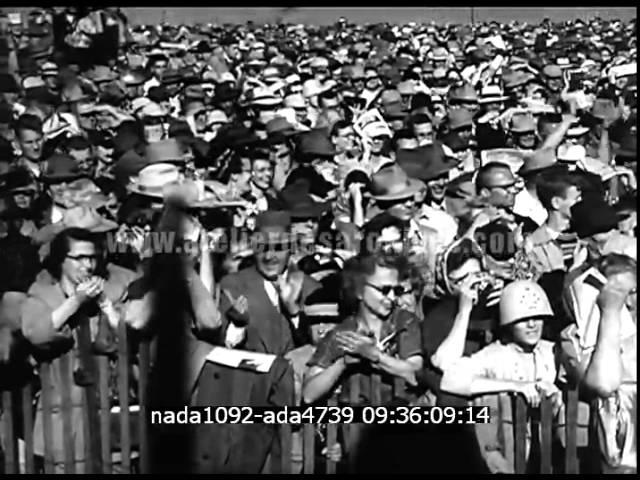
[358, 345]
[238, 313]
[90, 288]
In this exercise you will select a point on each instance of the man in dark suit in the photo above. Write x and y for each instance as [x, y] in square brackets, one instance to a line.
[274, 291]
[261, 308]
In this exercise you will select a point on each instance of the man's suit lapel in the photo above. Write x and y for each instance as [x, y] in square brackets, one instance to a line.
[266, 318]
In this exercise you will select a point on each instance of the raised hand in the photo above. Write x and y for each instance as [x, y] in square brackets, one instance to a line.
[238, 313]
[470, 288]
[290, 290]
[616, 291]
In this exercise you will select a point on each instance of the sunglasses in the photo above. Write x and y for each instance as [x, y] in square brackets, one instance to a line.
[398, 290]
[387, 204]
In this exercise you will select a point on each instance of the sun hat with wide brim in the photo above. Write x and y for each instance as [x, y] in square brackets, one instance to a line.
[392, 183]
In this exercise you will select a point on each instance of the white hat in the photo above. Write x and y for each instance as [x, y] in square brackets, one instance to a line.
[216, 117]
[293, 78]
[319, 62]
[295, 100]
[159, 53]
[32, 82]
[227, 77]
[49, 69]
[271, 72]
[439, 54]
[577, 131]
[263, 97]
[138, 103]
[152, 179]
[536, 106]
[571, 153]
[376, 129]
[152, 109]
[491, 94]
[311, 88]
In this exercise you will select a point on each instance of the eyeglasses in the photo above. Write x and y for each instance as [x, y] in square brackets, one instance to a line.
[83, 258]
[398, 290]
[514, 187]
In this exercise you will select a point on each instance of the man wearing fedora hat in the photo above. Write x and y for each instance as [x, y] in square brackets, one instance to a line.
[523, 132]
[395, 192]
[313, 254]
[430, 165]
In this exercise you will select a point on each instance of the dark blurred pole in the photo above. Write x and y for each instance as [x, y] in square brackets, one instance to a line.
[170, 444]
[473, 16]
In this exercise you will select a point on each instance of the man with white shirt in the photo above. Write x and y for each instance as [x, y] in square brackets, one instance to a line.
[274, 293]
[551, 246]
[157, 64]
[600, 351]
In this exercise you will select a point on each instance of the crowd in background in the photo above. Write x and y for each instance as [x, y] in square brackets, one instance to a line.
[451, 205]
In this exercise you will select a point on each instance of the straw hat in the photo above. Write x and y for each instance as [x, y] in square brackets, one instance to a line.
[152, 179]
[492, 94]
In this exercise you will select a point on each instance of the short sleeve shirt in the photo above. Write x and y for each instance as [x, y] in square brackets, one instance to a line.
[403, 330]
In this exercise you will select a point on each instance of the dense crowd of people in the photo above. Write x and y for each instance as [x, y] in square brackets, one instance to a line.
[453, 206]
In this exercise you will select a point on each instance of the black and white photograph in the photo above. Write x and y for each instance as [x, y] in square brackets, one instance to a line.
[318, 240]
